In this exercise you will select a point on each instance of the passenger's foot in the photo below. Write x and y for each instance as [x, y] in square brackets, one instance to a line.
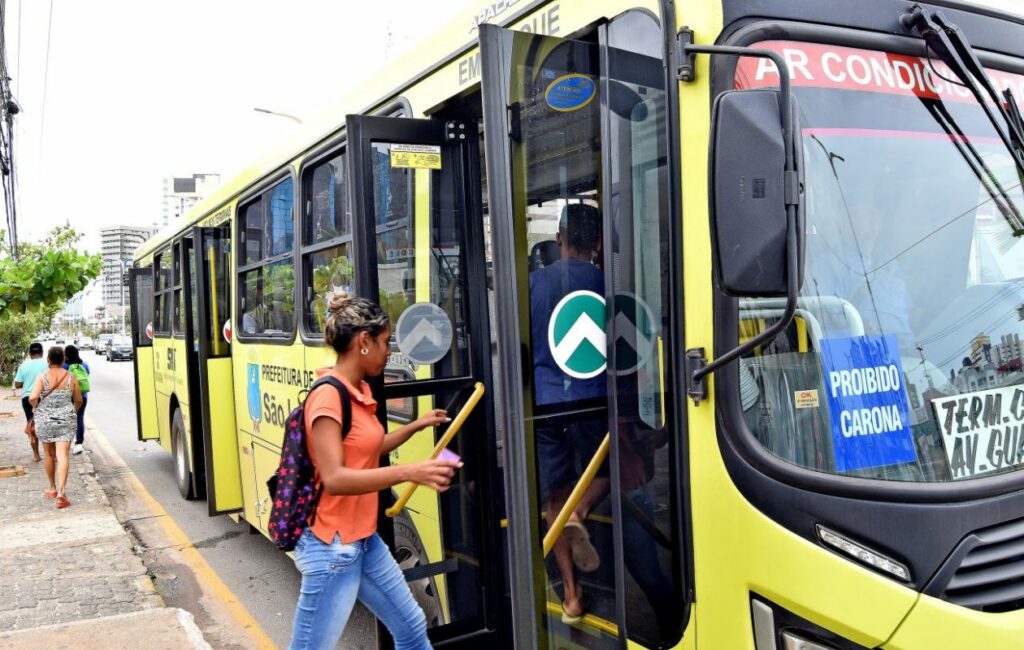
[50, 494]
[62, 502]
[77, 449]
[573, 610]
[584, 555]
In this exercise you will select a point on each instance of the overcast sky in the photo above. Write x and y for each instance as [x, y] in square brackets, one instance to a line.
[135, 91]
[141, 90]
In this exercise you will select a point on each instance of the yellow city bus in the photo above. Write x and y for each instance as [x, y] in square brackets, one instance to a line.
[798, 425]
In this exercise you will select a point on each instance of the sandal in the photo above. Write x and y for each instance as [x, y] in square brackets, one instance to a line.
[584, 555]
[50, 494]
[62, 502]
[573, 619]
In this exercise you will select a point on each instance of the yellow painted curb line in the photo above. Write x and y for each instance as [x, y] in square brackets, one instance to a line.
[205, 574]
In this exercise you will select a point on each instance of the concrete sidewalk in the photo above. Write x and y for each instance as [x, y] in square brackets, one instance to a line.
[71, 576]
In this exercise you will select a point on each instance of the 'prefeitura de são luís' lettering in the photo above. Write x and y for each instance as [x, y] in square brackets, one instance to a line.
[982, 432]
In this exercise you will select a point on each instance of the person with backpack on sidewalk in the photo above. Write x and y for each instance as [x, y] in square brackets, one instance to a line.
[55, 397]
[25, 379]
[80, 369]
[339, 554]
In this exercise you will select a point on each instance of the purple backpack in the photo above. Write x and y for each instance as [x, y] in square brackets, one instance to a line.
[292, 489]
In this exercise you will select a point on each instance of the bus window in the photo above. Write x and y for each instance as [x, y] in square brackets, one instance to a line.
[178, 290]
[142, 291]
[267, 280]
[913, 267]
[326, 240]
[162, 319]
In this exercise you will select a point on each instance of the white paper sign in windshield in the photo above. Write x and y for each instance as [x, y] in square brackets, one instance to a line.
[982, 432]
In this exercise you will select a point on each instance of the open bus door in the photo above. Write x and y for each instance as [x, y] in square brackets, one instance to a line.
[215, 386]
[585, 298]
[415, 197]
[140, 296]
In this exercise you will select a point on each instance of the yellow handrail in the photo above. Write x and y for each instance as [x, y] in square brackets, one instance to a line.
[460, 419]
[555, 531]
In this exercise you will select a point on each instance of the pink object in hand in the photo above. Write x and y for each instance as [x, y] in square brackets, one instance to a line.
[447, 454]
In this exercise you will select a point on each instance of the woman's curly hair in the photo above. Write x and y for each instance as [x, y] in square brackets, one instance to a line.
[348, 315]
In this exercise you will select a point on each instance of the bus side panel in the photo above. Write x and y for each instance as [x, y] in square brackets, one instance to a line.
[265, 461]
[149, 427]
[247, 470]
[224, 439]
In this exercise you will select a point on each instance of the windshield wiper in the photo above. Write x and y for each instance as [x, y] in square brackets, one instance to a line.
[948, 42]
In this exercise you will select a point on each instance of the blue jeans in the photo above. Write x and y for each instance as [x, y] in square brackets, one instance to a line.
[80, 431]
[334, 575]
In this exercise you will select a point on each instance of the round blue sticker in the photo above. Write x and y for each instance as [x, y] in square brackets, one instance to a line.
[570, 92]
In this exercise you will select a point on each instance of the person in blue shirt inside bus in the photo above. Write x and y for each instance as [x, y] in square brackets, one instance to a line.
[24, 379]
[565, 443]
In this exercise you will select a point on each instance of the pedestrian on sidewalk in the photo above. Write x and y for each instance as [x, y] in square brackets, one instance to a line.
[25, 379]
[80, 370]
[55, 398]
[340, 555]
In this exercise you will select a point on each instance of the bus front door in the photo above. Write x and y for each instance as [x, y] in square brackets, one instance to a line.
[576, 140]
[415, 198]
[210, 310]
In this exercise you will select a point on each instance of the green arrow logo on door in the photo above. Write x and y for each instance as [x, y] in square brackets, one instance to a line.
[576, 334]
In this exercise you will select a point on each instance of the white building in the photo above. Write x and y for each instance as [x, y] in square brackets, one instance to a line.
[117, 244]
[182, 192]
[1008, 349]
[71, 315]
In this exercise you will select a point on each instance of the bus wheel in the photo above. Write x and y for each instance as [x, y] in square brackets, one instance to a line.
[409, 553]
[181, 471]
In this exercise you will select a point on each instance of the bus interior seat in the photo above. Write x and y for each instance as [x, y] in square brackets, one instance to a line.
[544, 253]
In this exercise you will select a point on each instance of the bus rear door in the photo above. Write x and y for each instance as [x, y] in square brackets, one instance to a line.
[414, 192]
[141, 301]
[211, 307]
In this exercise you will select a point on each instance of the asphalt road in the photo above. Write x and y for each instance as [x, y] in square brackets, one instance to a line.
[262, 578]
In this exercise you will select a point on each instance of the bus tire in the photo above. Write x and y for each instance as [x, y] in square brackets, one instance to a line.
[182, 473]
[409, 553]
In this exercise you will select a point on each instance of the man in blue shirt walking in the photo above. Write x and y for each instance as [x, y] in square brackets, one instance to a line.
[24, 379]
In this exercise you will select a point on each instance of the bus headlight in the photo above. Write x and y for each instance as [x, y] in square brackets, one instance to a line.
[863, 554]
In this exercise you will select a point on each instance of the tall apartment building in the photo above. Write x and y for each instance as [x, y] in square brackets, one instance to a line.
[1009, 349]
[182, 192]
[118, 243]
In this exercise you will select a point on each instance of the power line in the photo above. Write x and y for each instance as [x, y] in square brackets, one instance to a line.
[46, 79]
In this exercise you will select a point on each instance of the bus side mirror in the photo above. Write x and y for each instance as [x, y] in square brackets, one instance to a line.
[751, 191]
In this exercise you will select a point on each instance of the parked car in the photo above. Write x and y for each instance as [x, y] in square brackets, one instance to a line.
[102, 341]
[85, 343]
[59, 341]
[120, 347]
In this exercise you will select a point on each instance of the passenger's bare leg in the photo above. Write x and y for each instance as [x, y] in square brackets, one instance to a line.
[50, 449]
[573, 595]
[62, 466]
[34, 442]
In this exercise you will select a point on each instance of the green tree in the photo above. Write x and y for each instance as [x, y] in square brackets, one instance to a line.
[45, 273]
[33, 288]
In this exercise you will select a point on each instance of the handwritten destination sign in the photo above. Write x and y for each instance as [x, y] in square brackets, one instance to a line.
[982, 432]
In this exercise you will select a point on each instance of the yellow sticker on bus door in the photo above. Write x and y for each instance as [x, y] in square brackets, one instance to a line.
[416, 156]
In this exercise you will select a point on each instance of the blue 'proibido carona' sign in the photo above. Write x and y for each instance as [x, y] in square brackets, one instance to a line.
[867, 402]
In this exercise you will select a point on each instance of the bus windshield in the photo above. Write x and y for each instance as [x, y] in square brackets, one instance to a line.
[904, 361]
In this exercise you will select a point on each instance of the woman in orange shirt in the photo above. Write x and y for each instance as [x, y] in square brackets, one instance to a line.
[340, 555]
